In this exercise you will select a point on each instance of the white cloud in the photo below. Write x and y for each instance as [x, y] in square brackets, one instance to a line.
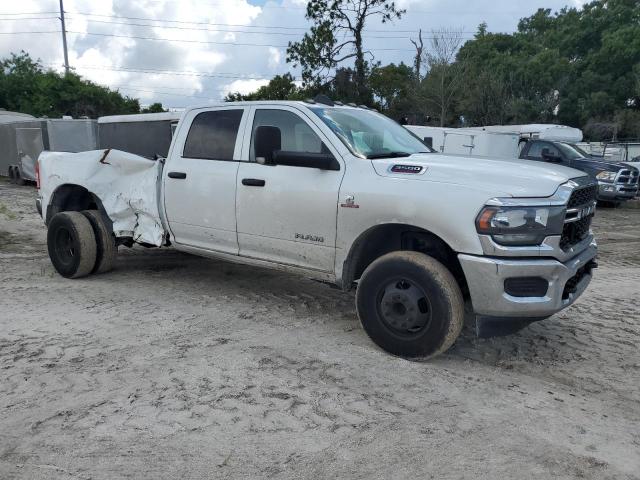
[244, 86]
[275, 57]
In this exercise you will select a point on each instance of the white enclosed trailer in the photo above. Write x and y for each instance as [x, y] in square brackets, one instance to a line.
[468, 141]
[538, 131]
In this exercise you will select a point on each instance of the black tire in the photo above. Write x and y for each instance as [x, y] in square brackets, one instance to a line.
[410, 305]
[71, 244]
[12, 177]
[106, 244]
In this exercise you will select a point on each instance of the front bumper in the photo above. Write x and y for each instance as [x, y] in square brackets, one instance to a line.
[486, 280]
[616, 192]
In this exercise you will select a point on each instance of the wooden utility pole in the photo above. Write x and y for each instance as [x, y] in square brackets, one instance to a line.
[64, 39]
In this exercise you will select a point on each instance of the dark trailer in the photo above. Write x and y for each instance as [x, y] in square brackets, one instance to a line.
[145, 134]
[24, 139]
[8, 149]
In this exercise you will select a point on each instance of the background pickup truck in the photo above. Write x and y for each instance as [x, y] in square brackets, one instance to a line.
[344, 195]
[616, 182]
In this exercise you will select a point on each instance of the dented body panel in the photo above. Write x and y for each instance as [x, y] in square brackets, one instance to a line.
[125, 184]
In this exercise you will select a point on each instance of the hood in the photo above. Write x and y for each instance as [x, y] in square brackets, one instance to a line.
[516, 178]
[597, 164]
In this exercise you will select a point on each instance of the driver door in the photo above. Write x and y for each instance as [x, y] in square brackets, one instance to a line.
[287, 214]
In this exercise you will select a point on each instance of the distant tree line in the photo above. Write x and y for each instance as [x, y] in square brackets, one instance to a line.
[579, 67]
[25, 86]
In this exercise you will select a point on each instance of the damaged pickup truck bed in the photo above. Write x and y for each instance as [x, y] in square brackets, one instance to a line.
[344, 195]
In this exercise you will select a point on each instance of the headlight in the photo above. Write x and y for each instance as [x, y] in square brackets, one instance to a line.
[520, 225]
[607, 176]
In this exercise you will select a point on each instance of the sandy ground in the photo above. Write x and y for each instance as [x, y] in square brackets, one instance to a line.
[172, 366]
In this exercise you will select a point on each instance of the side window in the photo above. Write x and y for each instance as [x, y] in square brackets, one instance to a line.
[552, 149]
[212, 135]
[535, 150]
[296, 134]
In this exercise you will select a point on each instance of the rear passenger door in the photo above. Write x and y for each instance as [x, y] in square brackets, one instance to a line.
[200, 179]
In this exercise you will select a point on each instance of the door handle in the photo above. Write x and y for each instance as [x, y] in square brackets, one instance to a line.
[179, 175]
[253, 182]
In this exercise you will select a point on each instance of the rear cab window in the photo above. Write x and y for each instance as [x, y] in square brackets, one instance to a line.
[213, 134]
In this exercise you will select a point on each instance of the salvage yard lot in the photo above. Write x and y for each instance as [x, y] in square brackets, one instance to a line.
[173, 366]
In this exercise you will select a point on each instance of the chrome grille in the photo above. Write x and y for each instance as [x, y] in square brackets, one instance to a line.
[627, 177]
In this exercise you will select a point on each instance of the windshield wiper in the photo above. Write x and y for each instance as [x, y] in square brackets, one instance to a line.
[389, 155]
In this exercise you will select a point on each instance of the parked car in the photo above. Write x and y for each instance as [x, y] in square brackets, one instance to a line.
[616, 182]
[344, 195]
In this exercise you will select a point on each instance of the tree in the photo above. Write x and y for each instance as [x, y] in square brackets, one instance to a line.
[336, 36]
[486, 98]
[394, 88]
[573, 67]
[153, 108]
[417, 60]
[26, 87]
[445, 74]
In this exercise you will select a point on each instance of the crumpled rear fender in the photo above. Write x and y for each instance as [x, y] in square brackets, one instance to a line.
[125, 184]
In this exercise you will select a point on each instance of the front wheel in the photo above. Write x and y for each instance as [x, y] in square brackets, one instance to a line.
[410, 304]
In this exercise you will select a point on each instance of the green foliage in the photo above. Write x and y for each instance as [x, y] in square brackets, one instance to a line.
[577, 67]
[26, 87]
[391, 83]
[335, 37]
[154, 108]
[394, 86]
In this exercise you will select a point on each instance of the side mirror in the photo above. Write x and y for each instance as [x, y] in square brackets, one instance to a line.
[323, 161]
[550, 157]
[267, 140]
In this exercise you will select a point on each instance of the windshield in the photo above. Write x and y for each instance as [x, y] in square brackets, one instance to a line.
[572, 152]
[369, 134]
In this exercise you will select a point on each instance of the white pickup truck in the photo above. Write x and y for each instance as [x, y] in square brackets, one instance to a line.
[341, 194]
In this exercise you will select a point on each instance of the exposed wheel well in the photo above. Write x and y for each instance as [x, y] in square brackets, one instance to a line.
[70, 197]
[383, 239]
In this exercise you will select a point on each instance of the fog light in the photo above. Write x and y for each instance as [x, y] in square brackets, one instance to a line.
[526, 286]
